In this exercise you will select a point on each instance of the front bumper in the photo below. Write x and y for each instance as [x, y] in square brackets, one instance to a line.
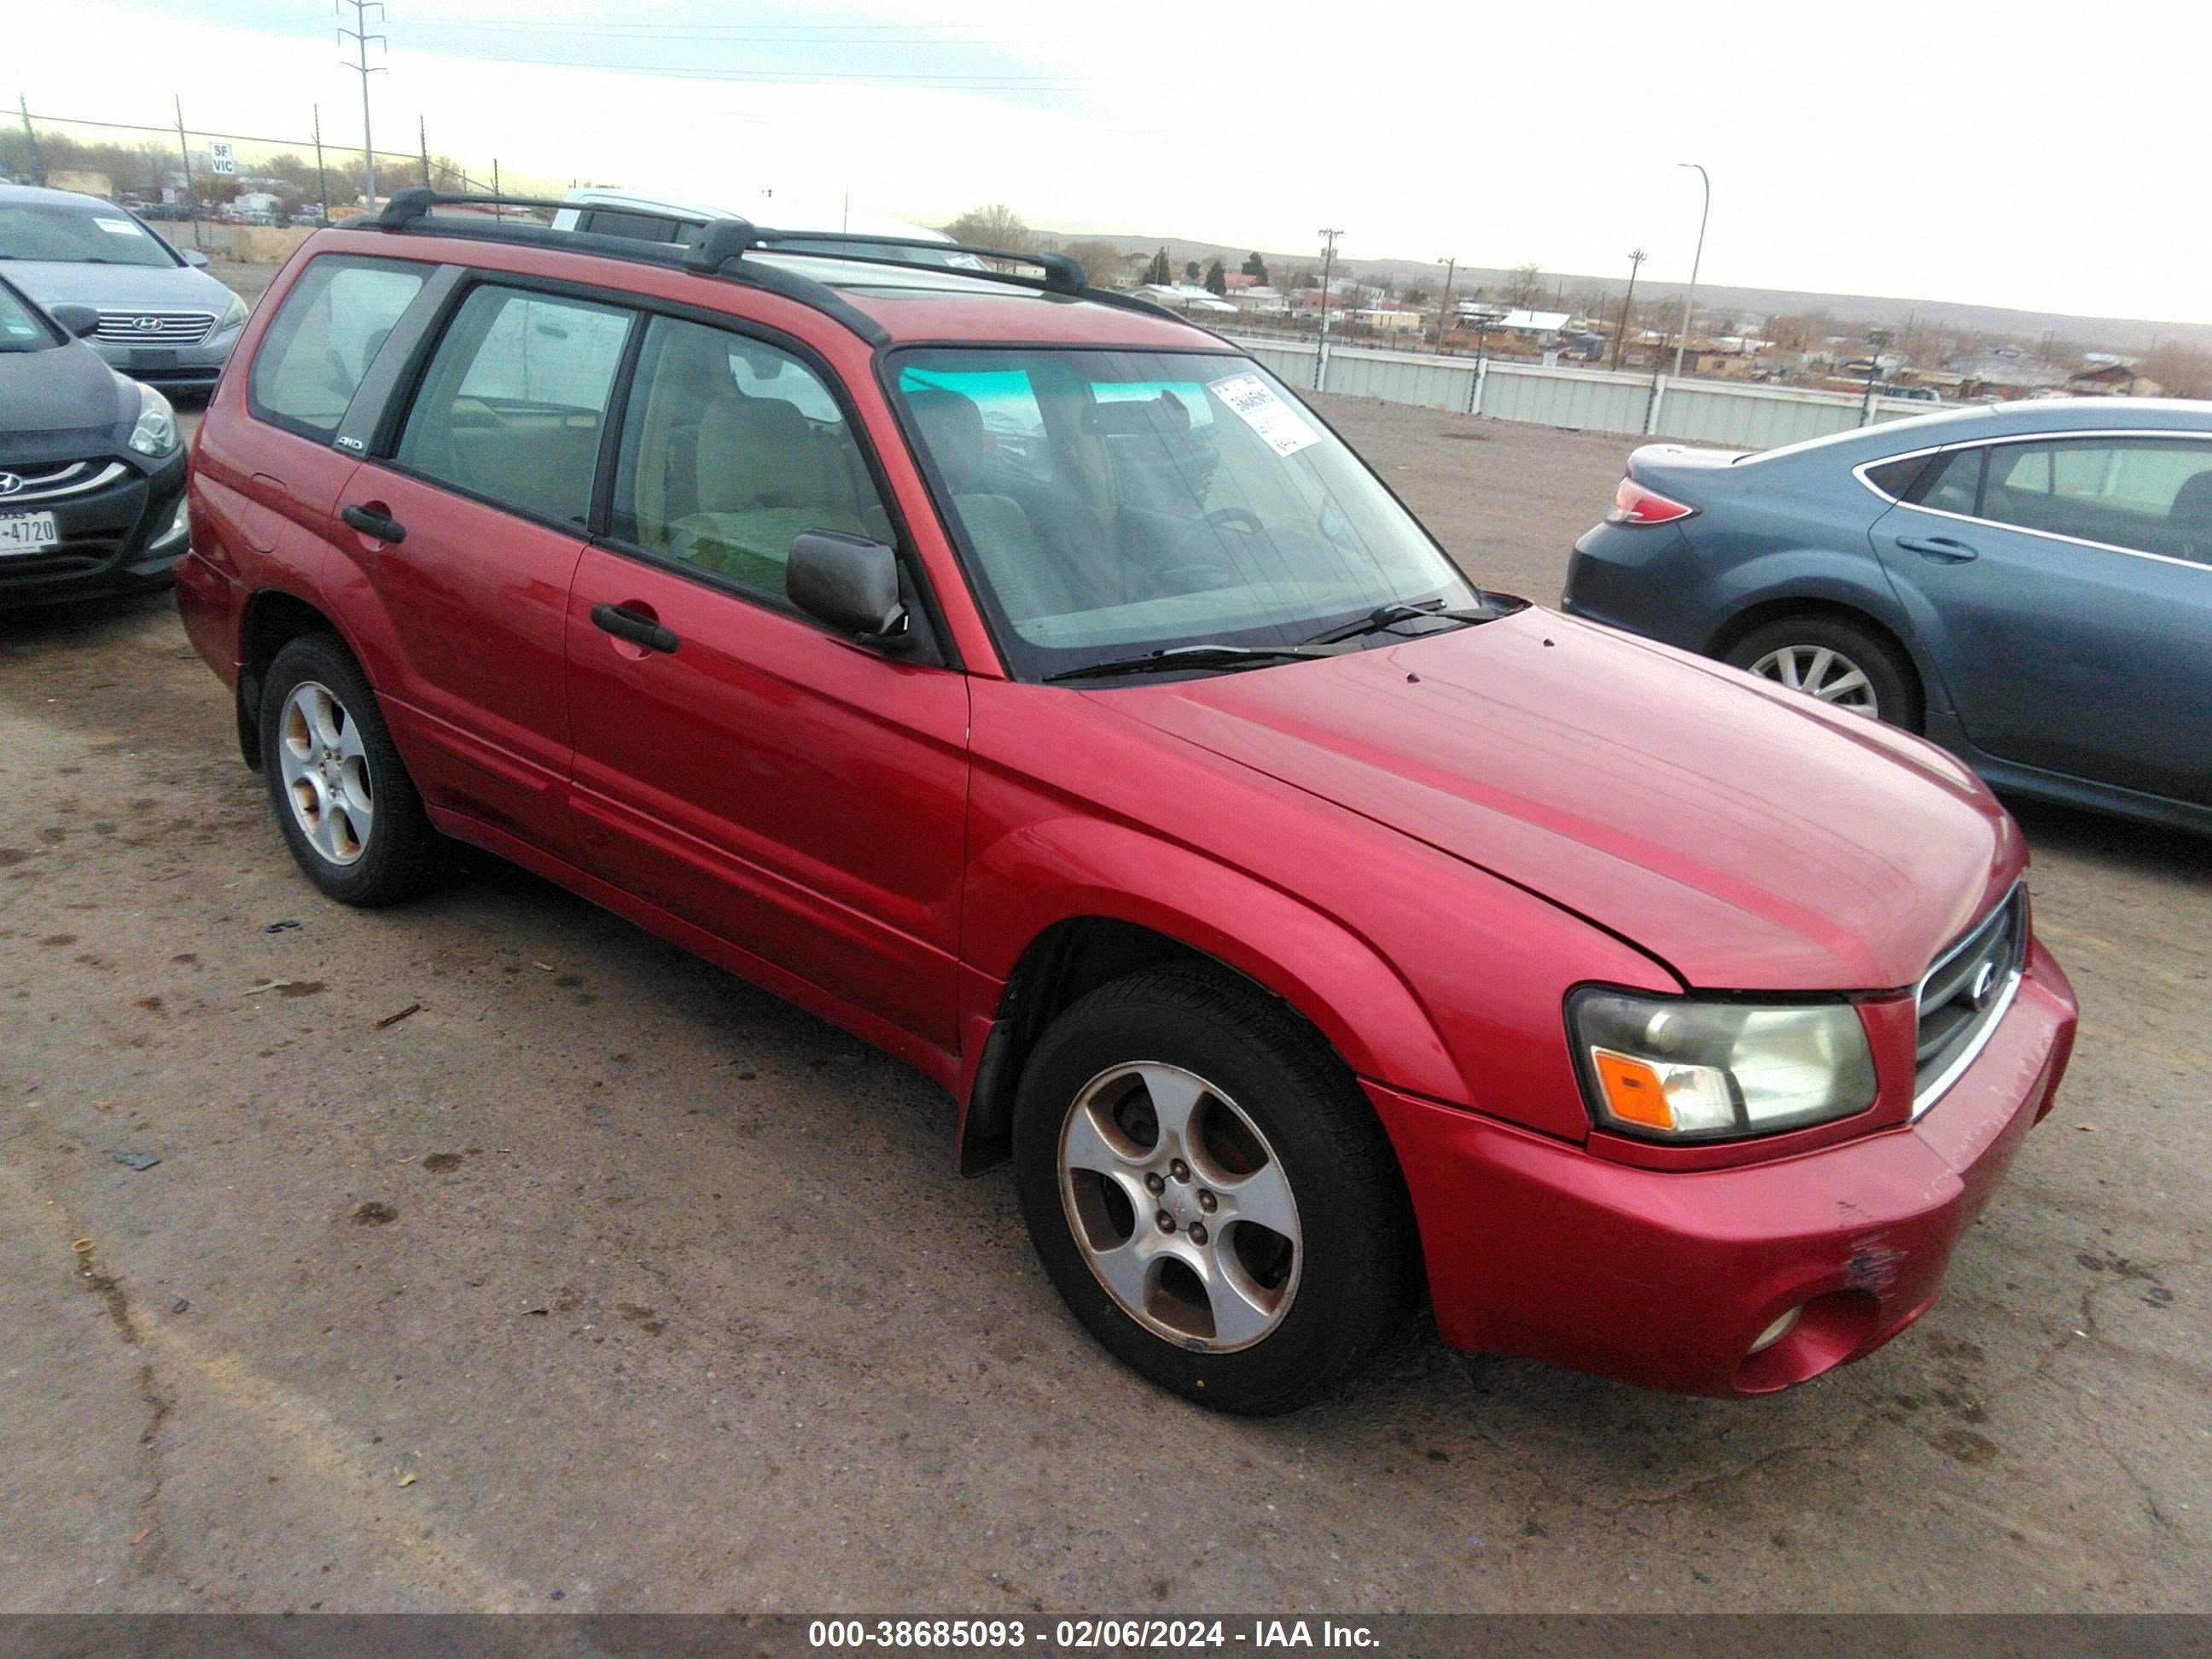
[173, 368]
[115, 539]
[1666, 1279]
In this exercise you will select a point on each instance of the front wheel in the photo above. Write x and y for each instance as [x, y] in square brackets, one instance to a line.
[1210, 1192]
[1839, 663]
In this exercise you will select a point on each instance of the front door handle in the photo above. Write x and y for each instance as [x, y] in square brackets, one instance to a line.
[1937, 550]
[628, 625]
[376, 525]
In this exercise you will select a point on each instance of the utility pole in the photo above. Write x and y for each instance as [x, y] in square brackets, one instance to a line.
[1443, 312]
[359, 36]
[185, 155]
[1328, 264]
[1696, 261]
[1621, 334]
[322, 178]
[31, 138]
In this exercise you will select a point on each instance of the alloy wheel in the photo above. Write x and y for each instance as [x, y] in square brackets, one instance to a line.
[325, 767]
[1180, 1206]
[1820, 672]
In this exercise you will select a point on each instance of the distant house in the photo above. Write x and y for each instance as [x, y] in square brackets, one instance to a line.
[2113, 379]
[1182, 296]
[1386, 321]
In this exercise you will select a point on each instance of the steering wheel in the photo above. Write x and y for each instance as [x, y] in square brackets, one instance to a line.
[1193, 575]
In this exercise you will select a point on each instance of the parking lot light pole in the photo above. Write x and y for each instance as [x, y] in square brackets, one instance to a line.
[1697, 259]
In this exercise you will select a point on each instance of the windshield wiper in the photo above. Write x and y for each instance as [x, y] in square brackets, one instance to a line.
[1390, 616]
[1188, 656]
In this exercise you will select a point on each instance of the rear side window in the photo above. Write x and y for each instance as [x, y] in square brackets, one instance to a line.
[2152, 495]
[515, 398]
[1895, 479]
[330, 326]
[1952, 484]
[641, 226]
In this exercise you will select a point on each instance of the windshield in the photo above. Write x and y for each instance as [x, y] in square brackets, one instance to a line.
[1114, 502]
[22, 329]
[77, 236]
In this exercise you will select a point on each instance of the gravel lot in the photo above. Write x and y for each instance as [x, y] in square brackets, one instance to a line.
[605, 1282]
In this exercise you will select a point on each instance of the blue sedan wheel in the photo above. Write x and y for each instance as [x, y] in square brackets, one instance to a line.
[1827, 658]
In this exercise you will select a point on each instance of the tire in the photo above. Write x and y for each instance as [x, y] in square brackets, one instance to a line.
[1301, 1306]
[347, 809]
[1885, 688]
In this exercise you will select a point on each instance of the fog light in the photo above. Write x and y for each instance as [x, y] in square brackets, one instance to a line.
[1774, 1333]
[179, 525]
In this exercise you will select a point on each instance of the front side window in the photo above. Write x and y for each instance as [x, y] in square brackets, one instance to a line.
[69, 234]
[2150, 494]
[731, 450]
[515, 399]
[1115, 503]
[332, 323]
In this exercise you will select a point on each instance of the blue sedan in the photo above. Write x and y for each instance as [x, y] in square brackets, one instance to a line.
[2030, 586]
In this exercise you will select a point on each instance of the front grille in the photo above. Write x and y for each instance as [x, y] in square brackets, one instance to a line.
[1964, 995]
[169, 328]
[52, 480]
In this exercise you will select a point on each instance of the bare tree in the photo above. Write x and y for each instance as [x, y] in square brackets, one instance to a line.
[1525, 286]
[996, 226]
[1101, 260]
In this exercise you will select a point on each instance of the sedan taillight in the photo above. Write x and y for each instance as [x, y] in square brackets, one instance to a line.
[1633, 504]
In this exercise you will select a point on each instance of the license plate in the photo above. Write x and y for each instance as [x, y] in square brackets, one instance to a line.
[154, 358]
[27, 532]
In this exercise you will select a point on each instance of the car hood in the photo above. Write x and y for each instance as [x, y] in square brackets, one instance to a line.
[1748, 838]
[56, 283]
[49, 396]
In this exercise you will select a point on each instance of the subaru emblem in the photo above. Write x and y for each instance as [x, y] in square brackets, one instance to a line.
[1985, 979]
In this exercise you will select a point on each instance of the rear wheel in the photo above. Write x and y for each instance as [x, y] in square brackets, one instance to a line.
[346, 805]
[1210, 1192]
[1838, 662]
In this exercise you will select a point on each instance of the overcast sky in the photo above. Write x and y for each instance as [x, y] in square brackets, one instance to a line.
[2044, 153]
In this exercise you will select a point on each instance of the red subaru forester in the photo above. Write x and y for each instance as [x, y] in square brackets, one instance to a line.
[1024, 680]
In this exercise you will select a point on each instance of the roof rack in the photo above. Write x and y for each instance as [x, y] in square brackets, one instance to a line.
[723, 244]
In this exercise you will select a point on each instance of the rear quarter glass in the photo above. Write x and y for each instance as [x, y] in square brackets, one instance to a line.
[326, 333]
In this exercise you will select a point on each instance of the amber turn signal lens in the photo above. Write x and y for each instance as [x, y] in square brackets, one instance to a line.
[1634, 1092]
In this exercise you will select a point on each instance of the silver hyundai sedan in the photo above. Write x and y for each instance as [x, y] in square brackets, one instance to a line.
[163, 320]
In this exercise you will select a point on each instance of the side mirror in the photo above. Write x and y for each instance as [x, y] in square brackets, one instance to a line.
[194, 258]
[849, 582]
[80, 322]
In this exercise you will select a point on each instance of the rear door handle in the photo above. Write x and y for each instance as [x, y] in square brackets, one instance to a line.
[628, 625]
[374, 525]
[1938, 549]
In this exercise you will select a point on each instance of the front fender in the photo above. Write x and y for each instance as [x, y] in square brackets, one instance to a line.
[1337, 980]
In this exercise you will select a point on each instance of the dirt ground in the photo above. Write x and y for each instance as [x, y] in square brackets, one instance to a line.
[605, 1282]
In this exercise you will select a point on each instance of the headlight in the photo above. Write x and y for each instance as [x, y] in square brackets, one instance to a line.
[1675, 1068]
[233, 316]
[156, 433]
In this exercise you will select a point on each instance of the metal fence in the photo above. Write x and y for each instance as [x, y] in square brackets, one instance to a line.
[181, 170]
[1698, 411]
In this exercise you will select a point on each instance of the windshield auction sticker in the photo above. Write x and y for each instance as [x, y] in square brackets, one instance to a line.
[1255, 402]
